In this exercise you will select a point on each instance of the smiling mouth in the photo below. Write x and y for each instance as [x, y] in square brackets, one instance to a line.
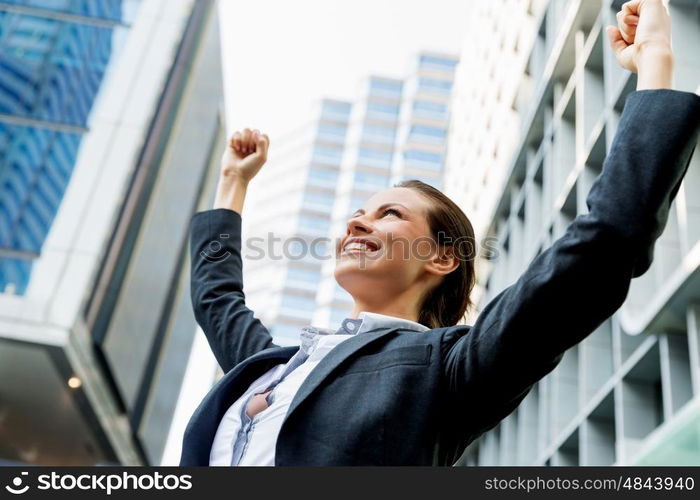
[358, 248]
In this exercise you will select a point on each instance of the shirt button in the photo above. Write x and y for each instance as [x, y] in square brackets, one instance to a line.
[350, 325]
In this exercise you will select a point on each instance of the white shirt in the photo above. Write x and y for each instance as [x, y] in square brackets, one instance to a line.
[254, 444]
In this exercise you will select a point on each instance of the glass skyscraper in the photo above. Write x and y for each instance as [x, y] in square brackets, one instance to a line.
[111, 112]
[52, 62]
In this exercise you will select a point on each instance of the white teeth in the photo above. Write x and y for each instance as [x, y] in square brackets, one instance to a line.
[357, 246]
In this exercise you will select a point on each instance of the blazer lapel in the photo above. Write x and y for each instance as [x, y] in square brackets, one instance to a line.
[202, 427]
[330, 362]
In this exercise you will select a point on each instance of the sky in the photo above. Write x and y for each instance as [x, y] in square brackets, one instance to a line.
[279, 56]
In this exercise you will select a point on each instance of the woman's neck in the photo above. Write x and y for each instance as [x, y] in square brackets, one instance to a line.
[388, 310]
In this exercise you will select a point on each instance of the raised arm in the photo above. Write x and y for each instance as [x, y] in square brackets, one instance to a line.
[569, 289]
[216, 279]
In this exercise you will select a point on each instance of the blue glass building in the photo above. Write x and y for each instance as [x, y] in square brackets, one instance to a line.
[53, 58]
[110, 113]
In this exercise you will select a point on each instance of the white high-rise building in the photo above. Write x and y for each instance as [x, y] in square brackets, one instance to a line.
[539, 96]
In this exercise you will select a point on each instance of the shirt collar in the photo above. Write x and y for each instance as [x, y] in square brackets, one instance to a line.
[369, 321]
[350, 326]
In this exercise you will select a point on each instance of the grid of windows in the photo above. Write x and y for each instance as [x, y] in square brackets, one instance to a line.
[51, 71]
[623, 395]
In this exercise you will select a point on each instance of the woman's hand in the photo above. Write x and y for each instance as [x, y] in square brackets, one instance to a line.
[244, 156]
[641, 42]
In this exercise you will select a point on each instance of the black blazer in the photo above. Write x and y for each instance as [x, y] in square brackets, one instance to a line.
[396, 397]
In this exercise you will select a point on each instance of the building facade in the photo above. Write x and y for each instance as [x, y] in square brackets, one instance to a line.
[111, 112]
[552, 94]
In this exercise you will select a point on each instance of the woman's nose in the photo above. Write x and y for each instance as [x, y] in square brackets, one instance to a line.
[354, 226]
[357, 225]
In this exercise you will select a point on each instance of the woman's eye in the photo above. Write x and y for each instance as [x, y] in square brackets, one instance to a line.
[395, 212]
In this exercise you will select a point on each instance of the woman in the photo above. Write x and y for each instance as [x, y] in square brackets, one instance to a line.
[399, 382]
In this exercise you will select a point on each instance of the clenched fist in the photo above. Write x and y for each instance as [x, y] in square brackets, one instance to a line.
[642, 26]
[245, 154]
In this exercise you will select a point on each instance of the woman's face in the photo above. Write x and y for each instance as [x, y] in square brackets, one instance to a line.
[398, 243]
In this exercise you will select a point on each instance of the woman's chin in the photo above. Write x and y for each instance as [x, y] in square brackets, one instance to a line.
[347, 266]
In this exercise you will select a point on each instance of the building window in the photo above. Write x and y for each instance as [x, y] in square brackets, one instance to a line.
[384, 87]
[332, 133]
[306, 279]
[375, 157]
[297, 303]
[438, 63]
[423, 159]
[384, 135]
[380, 108]
[313, 225]
[424, 133]
[336, 111]
[435, 86]
[430, 109]
[318, 201]
[322, 177]
[372, 181]
[328, 156]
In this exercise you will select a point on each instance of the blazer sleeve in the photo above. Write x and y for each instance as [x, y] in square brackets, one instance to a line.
[216, 285]
[570, 288]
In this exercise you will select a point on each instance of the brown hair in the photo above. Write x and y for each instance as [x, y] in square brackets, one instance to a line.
[447, 303]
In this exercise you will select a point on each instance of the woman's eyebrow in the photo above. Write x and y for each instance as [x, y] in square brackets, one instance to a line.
[385, 205]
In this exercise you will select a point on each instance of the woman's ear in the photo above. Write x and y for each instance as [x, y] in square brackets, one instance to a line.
[443, 261]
